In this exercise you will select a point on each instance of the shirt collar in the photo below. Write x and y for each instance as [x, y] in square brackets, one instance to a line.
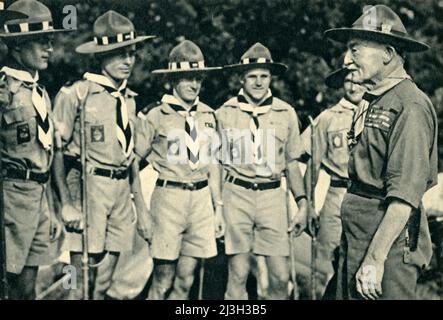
[20, 75]
[103, 80]
[395, 77]
[347, 104]
[168, 99]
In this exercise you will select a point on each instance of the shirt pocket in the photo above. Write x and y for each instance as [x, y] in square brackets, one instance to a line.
[19, 125]
[277, 144]
[171, 142]
[337, 146]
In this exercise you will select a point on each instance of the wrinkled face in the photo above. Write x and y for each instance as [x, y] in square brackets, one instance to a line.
[188, 88]
[34, 53]
[364, 59]
[119, 63]
[256, 83]
[353, 91]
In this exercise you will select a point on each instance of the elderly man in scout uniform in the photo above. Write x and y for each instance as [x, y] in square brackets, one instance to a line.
[331, 128]
[392, 163]
[26, 146]
[178, 136]
[260, 142]
[109, 124]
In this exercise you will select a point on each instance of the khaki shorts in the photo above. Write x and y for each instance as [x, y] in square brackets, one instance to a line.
[183, 223]
[111, 217]
[255, 221]
[26, 225]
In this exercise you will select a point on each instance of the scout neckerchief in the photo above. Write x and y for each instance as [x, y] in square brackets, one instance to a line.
[192, 137]
[44, 132]
[254, 124]
[123, 129]
[386, 84]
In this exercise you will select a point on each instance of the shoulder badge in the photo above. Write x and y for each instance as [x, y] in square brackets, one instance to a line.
[143, 113]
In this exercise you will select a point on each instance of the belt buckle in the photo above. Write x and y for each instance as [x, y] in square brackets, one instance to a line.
[254, 186]
[190, 186]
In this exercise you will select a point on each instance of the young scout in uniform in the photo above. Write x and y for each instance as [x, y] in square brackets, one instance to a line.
[393, 161]
[331, 128]
[176, 135]
[26, 146]
[255, 211]
[109, 124]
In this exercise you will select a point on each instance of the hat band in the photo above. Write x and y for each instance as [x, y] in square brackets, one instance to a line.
[28, 27]
[255, 60]
[186, 65]
[385, 28]
[120, 37]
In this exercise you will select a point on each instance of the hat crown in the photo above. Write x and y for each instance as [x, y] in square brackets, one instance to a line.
[186, 51]
[111, 24]
[380, 18]
[257, 51]
[35, 10]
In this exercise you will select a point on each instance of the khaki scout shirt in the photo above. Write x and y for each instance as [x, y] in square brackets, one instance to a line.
[331, 128]
[103, 148]
[20, 146]
[397, 150]
[282, 130]
[158, 132]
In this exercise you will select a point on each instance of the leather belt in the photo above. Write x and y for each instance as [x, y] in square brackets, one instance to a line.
[254, 186]
[111, 173]
[339, 183]
[366, 190]
[21, 174]
[191, 186]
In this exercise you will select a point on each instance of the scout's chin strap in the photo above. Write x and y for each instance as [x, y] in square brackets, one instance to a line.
[123, 129]
[44, 132]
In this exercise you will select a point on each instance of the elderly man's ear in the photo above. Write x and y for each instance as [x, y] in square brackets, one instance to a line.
[389, 53]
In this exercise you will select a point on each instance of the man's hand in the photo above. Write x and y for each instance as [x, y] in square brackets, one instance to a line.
[219, 222]
[313, 222]
[369, 277]
[72, 218]
[56, 228]
[144, 223]
[300, 220]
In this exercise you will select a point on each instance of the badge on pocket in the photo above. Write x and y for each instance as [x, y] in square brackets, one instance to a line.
[337, 140]
[97, 133]
[23, 133]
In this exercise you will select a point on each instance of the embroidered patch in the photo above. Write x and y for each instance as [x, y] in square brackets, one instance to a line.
[173, 147]
[337, 140]
[97, 133]
[23, 133]
[380, 118]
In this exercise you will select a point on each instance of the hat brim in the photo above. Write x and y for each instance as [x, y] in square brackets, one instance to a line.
[6, 15]
[275, 67]
[32, 33]
[92, 47]
[401, 42]
[167, 72]
[336, 79]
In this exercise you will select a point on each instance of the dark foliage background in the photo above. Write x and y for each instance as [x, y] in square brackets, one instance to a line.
[224, 29]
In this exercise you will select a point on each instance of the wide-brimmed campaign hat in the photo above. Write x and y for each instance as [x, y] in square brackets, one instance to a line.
[186, 57]
[6, 15]
[37, 20]
[336, 78]
[379, 23]
[257, 56]
[111, 31]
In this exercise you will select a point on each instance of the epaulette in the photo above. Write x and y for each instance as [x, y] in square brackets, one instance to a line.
[143, 113]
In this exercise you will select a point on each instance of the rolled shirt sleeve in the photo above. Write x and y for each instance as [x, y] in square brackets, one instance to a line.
[144, 134]
[65, 113]
[408, 158]
[294, 144]
[320, 138]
